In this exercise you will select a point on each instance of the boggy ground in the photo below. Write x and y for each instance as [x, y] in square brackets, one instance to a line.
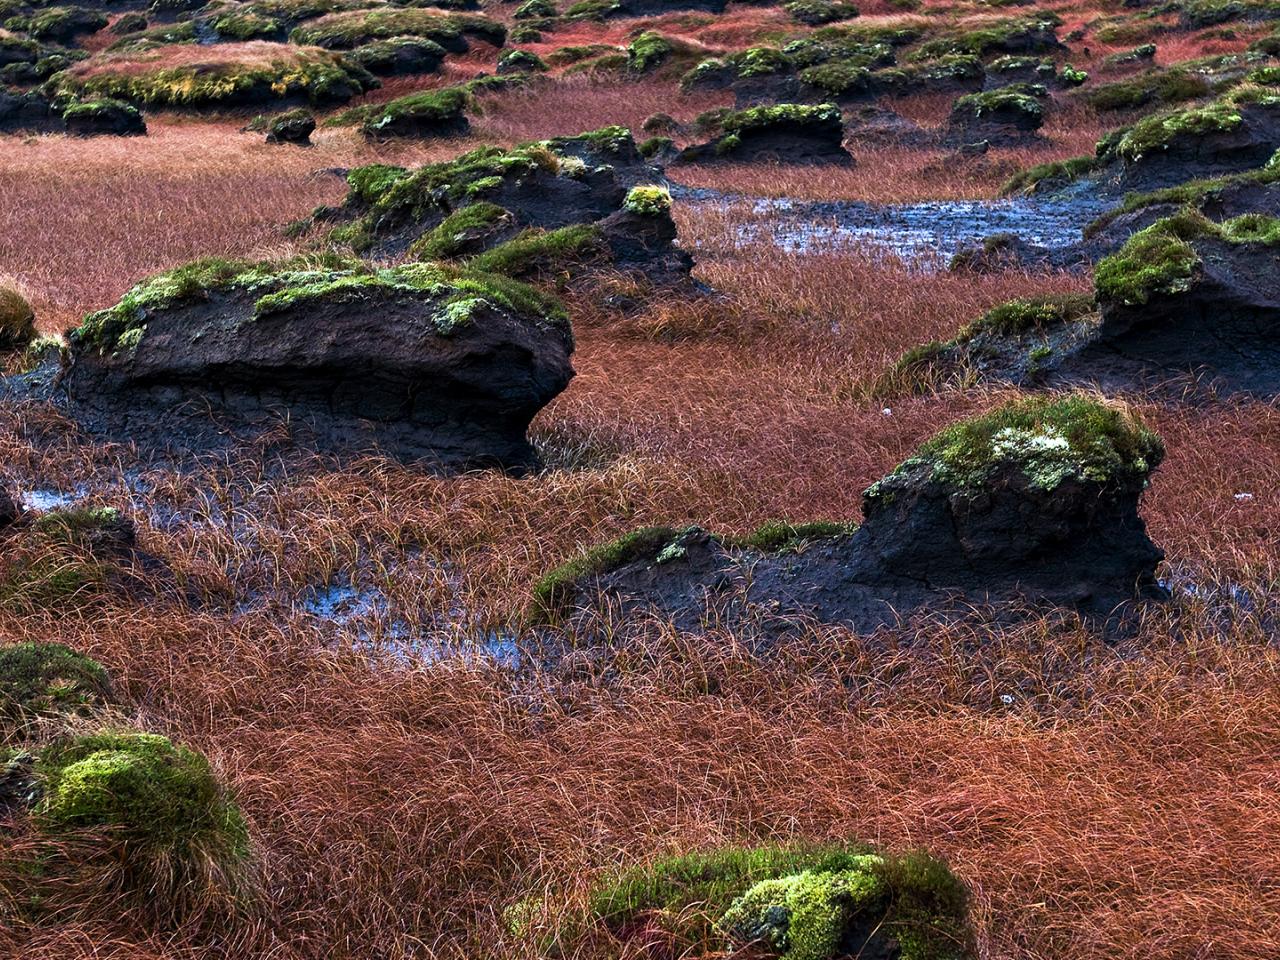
[1101, 800]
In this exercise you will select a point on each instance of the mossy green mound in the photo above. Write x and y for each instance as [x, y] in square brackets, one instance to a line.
[271, 72]
[1049, 439]
[1162, 259]
[801, 902]
[148, 812]
[17, 320]
[755, 119]
[553, 593]
[1034, 33]
[1154, 87]
[1018, 316]
[45, 680]
[354, 28]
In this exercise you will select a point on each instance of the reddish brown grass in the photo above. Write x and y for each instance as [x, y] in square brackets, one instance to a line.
[1103, 801]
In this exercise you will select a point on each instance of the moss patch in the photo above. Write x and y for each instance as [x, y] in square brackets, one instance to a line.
[1050, 440]
[354, 28]
[1016, 317]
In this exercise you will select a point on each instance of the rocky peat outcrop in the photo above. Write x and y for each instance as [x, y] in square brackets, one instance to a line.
[785, 133]
[560, 207]
[427, 361]
[1183, 299]
[1036, 501]
[34, 112]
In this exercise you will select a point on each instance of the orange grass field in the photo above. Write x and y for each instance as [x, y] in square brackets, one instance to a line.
[1103, 802]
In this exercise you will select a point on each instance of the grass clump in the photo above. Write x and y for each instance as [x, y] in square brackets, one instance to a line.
[151, 814]
[459, 231]
[779, 536]
[1157, 86]
[537, 251]
[1049, 439]
[47, 680]
[314, 75]
[17, 320]
[801, 902]
[553, 594]
[1025, 314]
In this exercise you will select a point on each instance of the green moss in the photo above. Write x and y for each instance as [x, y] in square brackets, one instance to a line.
[1019, 99]
[544, 252]
[535, 10]
[245, 25]
[61, 24]
[42, 680]
[369, 183]
[1252, 228]
[158, 810]
[592, 9]
[104, 329]
[1050, 440]
[1158, 87]
[1016, 317]
[948, 69]
[564, 56]
[799, 900]
[816, 12]
[779, 536]
[1156, 261]
[647, 201]
[445, 107]
[354, 28]
[1155, 133]
[1034, 33]
[456, 232]
[837, 79]
[759, 62]
[648, 51]
[1194, 193]
[521, 60]
[315, 75]
[654, 146]
[761, 118]
[553, 594]
[99, 108]
[1059, 170]
[84, 526]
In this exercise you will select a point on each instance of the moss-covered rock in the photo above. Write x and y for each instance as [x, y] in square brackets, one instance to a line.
[1163, 87]
[815, 902]
[554, 593]
[431, 113]
[17, 321]
[88, 118]
[40, 681]
[399, 56]
[1016, 108]
[1034, 33]
[815, 13]
[292, 126]
[260, 73]
[60, 24]
[350, 29]
[788, 132]
[151, 813]
[648, 51]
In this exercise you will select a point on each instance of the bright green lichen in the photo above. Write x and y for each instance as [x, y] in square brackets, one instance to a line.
[43, 680]
[647, 201]
[553, 594]
[1049, 440]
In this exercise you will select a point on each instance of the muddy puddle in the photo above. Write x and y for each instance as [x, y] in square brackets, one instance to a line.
[925, 234]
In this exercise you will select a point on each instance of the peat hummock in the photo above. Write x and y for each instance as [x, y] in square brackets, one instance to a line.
[1183, 298]
[422, 361]
[788, 132]
[561, 206]
[1037, 501]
